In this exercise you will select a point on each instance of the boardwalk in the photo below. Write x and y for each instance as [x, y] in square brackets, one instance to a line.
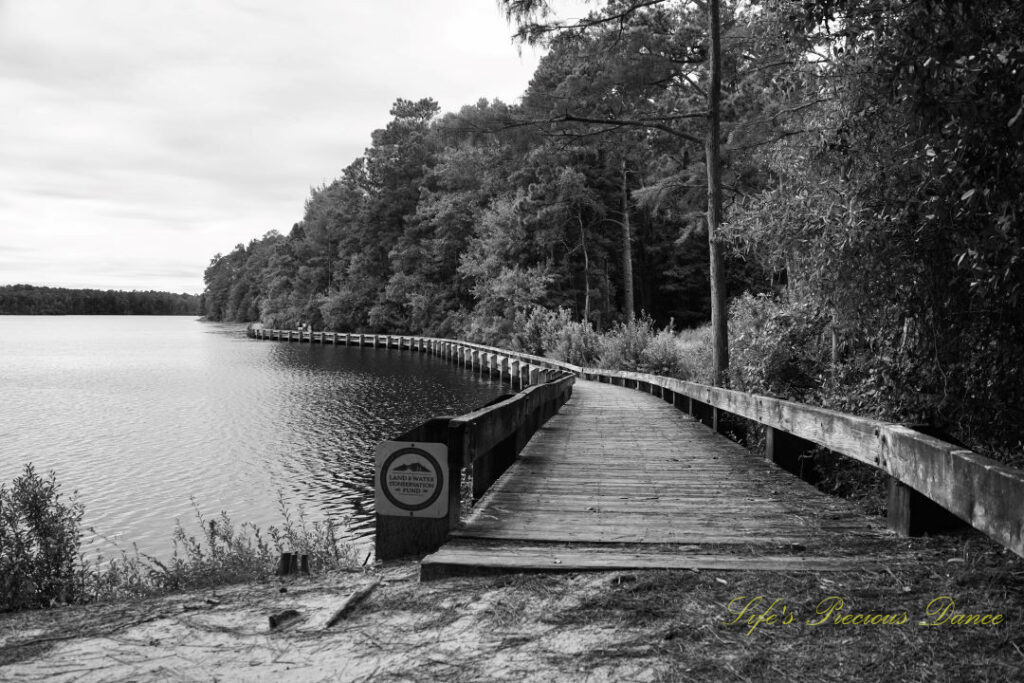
[622, 479]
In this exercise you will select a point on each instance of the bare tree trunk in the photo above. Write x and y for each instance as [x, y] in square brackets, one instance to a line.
[586, 271]
[627, 250]
[719, 319]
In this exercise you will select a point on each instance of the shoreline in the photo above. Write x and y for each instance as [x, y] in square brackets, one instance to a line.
[621, 625]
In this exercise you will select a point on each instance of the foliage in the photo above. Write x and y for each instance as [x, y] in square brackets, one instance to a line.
[39, 543]
[30, 300]
[41, 564]
[891, 218]
[573, 341]
[639, 346]
[872, 158]
[776, 349]
[223, 554]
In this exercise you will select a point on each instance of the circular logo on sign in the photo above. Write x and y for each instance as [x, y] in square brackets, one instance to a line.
[411, 479]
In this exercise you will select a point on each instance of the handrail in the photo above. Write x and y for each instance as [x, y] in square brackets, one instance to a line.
[487, 427]
[978, 490]
[486, 440]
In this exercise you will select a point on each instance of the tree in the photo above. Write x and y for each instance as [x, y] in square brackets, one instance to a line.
[527, 12]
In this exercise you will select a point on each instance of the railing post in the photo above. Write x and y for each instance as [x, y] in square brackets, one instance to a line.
[789, 453]
[911, 514]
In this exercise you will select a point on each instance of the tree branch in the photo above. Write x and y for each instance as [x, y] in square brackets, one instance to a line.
[634, 123]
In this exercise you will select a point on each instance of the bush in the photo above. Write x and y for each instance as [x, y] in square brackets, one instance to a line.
[638, 346]
[531, 329]
[776, 348]
[634, 345]
[542, 331]
[41, 564]
[39, 544]
[573, 341]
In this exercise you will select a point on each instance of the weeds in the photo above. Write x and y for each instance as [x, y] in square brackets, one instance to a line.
[41, 564]
[635, 345]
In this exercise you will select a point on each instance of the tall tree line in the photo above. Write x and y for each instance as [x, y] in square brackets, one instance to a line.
[32, 300]
[871, 160]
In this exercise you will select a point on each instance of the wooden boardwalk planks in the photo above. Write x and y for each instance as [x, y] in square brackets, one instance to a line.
[619, 468]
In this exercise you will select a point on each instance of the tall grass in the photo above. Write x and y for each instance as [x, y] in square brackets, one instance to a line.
[222, 554]
[41, 563]
[635, 345]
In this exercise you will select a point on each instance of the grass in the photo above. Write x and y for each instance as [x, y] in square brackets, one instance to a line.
[220, 554]
[680, 624]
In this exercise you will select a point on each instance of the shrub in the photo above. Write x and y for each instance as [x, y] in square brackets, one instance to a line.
[693, 346]
[638, 346]
[569, 340]
[663, 356]
[531, 329]
[622, 346]
[39, 543]
[633, 345]
[41, 564]
[776, 348]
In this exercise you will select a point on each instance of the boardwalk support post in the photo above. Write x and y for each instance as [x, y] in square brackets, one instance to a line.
[704, 413]
[911, 514]
[790, 453]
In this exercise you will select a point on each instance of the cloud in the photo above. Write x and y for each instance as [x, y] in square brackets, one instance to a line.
[172, 131]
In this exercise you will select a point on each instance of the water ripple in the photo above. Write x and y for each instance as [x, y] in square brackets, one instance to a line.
[141, 415]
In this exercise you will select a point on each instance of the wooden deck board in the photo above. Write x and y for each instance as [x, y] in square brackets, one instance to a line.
[460, 557]
[618, 466]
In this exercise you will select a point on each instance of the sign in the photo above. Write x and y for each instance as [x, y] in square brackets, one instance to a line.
[412, 479]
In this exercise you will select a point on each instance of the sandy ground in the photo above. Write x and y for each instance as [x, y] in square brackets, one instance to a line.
[465, 629]
[605, 626]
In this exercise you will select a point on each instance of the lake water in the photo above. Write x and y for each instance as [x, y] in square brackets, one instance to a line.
[142, 415]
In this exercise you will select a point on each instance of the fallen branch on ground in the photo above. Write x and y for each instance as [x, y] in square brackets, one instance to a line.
[350, 603]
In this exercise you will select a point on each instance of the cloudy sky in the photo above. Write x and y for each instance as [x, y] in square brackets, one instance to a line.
[140, 137]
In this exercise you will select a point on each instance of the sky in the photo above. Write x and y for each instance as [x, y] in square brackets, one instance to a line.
[139, 138]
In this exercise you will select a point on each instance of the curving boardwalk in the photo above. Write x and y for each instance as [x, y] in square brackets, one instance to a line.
[622, 479]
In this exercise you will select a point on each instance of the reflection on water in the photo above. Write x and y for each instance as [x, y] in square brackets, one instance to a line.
[139, 414]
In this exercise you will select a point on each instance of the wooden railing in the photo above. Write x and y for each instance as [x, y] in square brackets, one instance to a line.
[929, 477]
[486, 441]
[520, 369]
[924, 470]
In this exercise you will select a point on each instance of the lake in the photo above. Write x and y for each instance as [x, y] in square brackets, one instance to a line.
[143, 415]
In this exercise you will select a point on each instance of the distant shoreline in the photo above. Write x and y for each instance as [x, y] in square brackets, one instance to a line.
[32, 300]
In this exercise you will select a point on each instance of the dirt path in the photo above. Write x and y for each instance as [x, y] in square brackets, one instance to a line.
[639, 626]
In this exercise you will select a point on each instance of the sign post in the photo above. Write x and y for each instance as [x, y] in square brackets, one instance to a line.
[416, 490]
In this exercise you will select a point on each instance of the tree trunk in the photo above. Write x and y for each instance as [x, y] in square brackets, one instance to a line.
[627, 250]
[719, 319]
[586, 271]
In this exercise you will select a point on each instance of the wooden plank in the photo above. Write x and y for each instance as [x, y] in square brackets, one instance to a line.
[453, 560]
[982, 492]
[597, 474]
